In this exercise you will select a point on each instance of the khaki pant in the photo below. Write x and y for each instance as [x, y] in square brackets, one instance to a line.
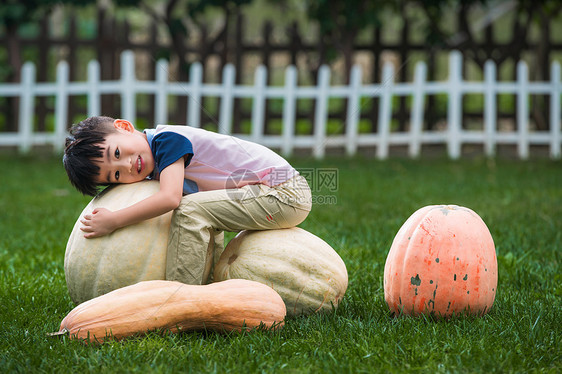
[196, 238]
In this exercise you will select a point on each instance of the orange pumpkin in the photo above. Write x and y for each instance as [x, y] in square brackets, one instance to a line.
[442, 261]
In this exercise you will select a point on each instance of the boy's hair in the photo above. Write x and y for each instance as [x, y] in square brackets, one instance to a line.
[82, 146]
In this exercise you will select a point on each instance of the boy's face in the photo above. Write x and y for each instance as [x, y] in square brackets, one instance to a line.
[127, 157]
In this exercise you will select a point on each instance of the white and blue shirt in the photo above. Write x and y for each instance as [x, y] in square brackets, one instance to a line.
[215, 161]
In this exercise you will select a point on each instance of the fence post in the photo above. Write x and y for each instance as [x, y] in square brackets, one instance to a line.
[258, 104]
[353, 111]
[289, 110]
[61, 109]
[194, 95]
[417, 109]
[555, 127]
[490, 108]
[128, 91]
[522, 110]
[321, 112]
[385, 110]
[454, 110]
[225, 117]
[94, 98]
[27, 98]
[161, 99]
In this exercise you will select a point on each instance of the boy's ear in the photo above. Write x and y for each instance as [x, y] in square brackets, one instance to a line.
[122, 124]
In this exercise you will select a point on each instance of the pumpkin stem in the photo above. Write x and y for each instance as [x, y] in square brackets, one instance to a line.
[64, 331]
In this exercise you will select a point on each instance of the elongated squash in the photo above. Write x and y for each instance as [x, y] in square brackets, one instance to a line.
[442, 261]
[233, 305]
[305, 270]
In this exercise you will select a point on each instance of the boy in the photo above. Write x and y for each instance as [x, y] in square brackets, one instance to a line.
[229, 184]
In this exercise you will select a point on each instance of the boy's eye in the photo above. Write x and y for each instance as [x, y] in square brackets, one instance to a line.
[117, 153]
[116, 175]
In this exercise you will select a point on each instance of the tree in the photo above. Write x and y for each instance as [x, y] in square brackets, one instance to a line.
[526, 12]
[14, 14]
[175, 14]
[341, 21]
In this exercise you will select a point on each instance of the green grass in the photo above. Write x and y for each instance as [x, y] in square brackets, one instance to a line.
[521, 202]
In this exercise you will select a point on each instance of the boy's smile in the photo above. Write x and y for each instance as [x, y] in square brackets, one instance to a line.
[127, 157]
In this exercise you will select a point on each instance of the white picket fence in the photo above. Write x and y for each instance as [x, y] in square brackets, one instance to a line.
[454, 136]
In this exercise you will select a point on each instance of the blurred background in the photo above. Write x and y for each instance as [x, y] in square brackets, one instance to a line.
[275, 33]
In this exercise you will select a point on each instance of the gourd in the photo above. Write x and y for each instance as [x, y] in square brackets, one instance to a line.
[232, 305]
[442, 261]
[129, 255]
[306, 272]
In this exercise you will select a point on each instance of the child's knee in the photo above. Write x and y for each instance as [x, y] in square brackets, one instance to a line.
[291, 217]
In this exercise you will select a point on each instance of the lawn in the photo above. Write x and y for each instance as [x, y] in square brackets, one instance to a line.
[521, 202]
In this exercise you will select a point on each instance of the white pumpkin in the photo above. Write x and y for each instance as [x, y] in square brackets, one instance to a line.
[308, 274]
[135, 253]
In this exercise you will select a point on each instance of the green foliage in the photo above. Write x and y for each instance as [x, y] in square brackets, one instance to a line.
[339, 16]
[175, 16]
[198, 7]
[127, 3]
[340, 21]
[15, 12]
[521, 202]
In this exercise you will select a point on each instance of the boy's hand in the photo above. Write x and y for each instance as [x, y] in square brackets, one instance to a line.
[100, 222]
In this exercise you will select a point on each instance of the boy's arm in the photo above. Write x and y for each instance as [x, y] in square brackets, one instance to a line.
[102, 221]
